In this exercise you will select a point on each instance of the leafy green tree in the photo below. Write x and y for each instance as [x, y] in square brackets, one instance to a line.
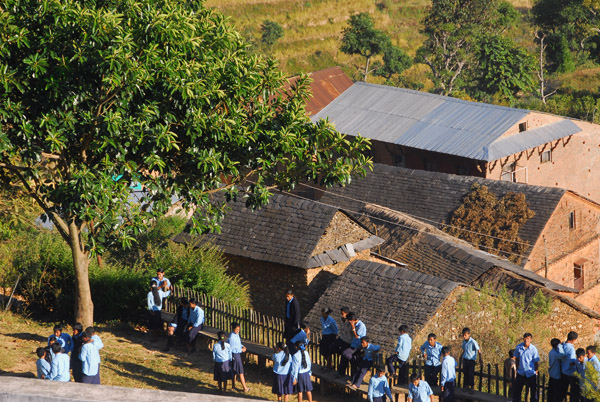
[360, 37]
[271, 32]
[504, 68]
[395, 61]
[160, 92]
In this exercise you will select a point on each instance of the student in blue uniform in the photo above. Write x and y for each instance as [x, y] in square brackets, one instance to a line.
[379, 387]
[77, 344]
[447, 375]
[554, 363]
[163, 283]
[418, 390]
[401, 356]
[282, 364]
[95, 338]
[343, 341]
[329, 332]
[292, 315]
[366, 362]
[468, 358]
[155, 300]
[580, 369]
[54, 339]
[527, 368]
[90, 360]
[569, 380]
[590, 353]
[63, 338]
[300, 336]
[222, 357]
[349, 354]
[178, 324]
[59, 370]
[430, 351]
[237, 349]
[194, 325]
[301, 372]
[42, 365]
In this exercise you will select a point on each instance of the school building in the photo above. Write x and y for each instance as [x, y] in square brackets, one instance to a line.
[289, 243]
[419, 130]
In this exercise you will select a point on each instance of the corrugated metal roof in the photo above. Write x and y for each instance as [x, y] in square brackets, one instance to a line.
[435, 123]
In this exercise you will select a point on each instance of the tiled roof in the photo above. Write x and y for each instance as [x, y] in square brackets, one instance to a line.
[433, 196]
[383, 297]
[285, 231]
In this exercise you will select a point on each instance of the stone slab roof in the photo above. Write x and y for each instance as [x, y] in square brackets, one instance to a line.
[383, 297]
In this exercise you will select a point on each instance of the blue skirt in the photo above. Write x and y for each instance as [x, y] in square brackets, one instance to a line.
[238, 365]
[222, 371]
[283, 384]
[304, 383]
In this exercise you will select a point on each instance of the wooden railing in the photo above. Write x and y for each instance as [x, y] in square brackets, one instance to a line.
[268, 330]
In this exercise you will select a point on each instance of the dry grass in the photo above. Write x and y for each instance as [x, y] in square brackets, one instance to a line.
[130, 359]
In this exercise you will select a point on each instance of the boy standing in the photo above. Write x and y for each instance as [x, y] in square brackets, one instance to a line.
[365, 363]
[555, 357]
[358, 331]
[569, 380]
[448, 375]
[527, 368]
[343, 342]
[401, 356]
[431, 353]
[60, 365]
[580, 368]
[379, 387]
[63, 338]
[90, 360]
[510, 370]
[471, 351]
[42, 365]
[418, 390]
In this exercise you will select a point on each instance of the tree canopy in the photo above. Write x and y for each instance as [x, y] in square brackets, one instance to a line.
[163, 93]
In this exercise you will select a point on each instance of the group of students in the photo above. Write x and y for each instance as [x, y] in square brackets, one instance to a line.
[55, 364]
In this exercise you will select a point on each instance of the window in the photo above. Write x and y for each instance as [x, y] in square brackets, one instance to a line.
[578, 275]
[522, 126]
[572, 220]
[546, 156]
[508, 172]
[431, 166]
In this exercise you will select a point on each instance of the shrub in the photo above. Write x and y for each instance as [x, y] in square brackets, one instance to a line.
[271, 33]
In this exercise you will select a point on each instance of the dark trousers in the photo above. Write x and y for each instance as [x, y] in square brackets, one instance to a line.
[569, 383]
[431, 374]
[403, 368]
[448, 395]
[554, 389]
[360, 372]
[380, 398]
[289, 329]
[530, 383]
[468, 372]
[91, 379]
[346, 357]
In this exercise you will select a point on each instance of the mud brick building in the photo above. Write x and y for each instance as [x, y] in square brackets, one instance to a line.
[563, 235]
[424, 131]
[288, 243]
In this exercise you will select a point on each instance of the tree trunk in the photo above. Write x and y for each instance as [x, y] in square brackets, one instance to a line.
[84, 308]
[367, 68]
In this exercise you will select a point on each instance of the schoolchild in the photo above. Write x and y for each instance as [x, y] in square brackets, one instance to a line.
[555, 357]
[470, 353]
[237, 367]
[447, 375]
[301, 372]
[590, 353]
[194, 325]
[301, 335]
[580, 369]
[292, 315]
[528, 360]
[222, 357]
[510, 371]
[282, 364]
[42, 365]
[155, 300]
[402, 350]
[63, 338]
[349, 355]
[329, 333]
[95, 338]
[418, 390]
[343, 341]
[379, 386]
[163, 283]
[51, 341]
[568, 379]
[178, 323]
[430, 351]
[76, 364]
[59, 370]
[90, 360]
[367, 361]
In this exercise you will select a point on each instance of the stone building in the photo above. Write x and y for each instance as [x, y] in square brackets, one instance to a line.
[288, 243]
[563, 235]
[424, 131]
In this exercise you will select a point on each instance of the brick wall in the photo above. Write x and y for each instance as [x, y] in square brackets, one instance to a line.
[341, 230]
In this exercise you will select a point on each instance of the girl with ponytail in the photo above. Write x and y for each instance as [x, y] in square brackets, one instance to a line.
[282, 364]
[301, 372]
[222, 357]
[155, 298]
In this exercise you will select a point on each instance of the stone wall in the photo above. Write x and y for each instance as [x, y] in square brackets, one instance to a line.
[341, 230]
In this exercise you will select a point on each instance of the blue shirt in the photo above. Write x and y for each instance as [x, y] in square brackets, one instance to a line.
[160, 283]
[361, 330]
[470, 349]
[287, 308]
[97, 342]
[378, 387]
[420, 393]
[297, 364]
[329, 326]
[235, 342]
[90, 359]
[595, 362]
[369, 350]
[152, 306]
[299, 337]
[43, 368]
[60, 340]
[403, 347]
[278, 367]
[569, 360]
[196, 317]
[60, 368]
[433, 353]
[448, 370]
[527, 359]
[222, 353]
[554, 362]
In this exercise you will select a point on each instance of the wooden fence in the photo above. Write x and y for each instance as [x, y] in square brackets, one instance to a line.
[268, 330]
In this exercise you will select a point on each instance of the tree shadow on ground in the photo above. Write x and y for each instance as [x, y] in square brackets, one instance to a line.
[11, 374]
[29, 337]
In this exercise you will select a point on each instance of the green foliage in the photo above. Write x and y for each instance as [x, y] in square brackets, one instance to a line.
[492, 224]
[271, 32]
[559, 58]
[395, 61]
[591, 390]
[539, 304]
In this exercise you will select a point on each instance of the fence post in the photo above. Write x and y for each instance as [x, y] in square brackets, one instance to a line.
[497, 381]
